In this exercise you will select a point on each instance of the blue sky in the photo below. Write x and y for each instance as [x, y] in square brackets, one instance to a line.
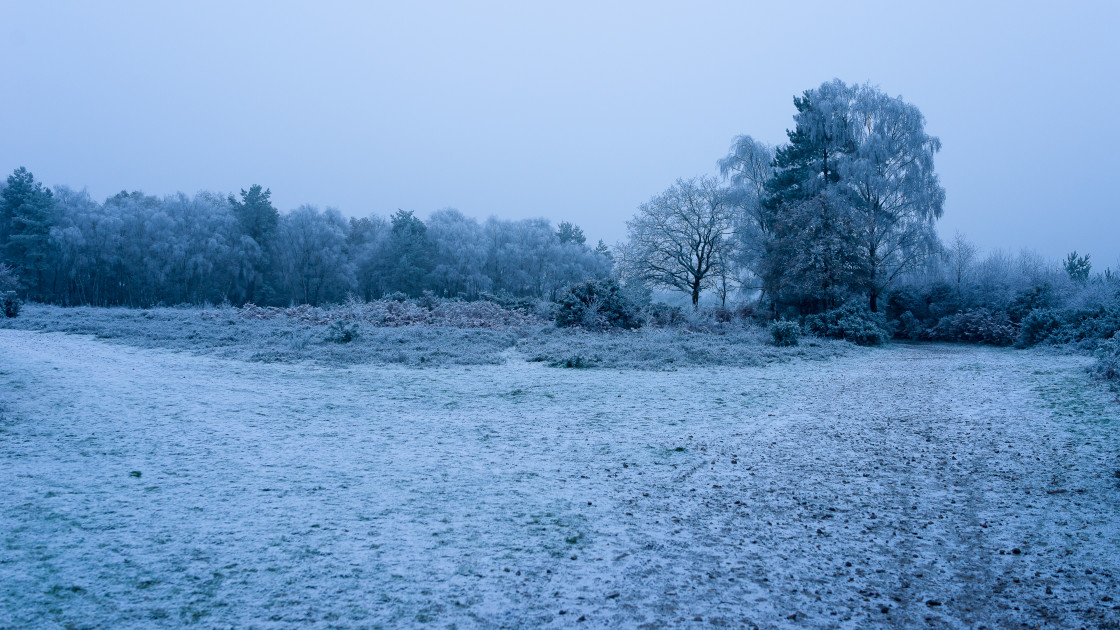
[571, 111]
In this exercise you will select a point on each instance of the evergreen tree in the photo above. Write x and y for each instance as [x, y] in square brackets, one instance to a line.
[808, 261]
[25, 221]
[409, 257]
[569, 232]
[257, 220]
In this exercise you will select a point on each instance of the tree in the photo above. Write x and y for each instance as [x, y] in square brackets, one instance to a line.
[868, 159]
[961, 253]
[1078, 267]
[311, 256]
[569, 232]
[255, 214]
[258, 221]
[408, 257]
[809, 242]
[748, 166]
[460, 254]
[890, 176]
[678, 238]
[25, 224]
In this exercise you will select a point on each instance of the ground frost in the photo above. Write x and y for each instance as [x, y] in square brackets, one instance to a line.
[914, 485]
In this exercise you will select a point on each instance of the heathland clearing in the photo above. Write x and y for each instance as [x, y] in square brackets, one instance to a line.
[961, 486]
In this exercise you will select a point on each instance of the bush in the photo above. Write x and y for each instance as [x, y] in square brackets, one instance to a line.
[9, 283]
[852, 322]
[910, 327]
[525, 305]
[976, 326]
[785, 333]
[1108, 360]
[595, 305]
[342, 331]
[1090, 325]
[575, 361]
[1038, 325]
[9, 303]
[662, 315]
[1036, 297]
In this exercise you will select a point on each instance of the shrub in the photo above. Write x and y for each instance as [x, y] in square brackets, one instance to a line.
[910, 327]
[342, 331]
[595, 305]
[852, 322]
[575, 361]
[662, 315]
[1036, 297]
[1037, 326]
[976, 326]
[785, 333]
[9, 283]
[1108, 360]
[9, 303]
[511, 303]
[1092, 325]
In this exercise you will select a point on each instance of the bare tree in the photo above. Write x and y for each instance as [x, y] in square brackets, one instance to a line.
[961, 253]
[679, 239]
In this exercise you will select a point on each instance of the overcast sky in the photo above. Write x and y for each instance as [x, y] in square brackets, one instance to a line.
[570, 111]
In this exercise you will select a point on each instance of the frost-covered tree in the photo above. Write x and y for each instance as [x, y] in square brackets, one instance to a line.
[25, 221]
[460, 254]
[747, 167]
[808, 260]
[311, 256]
[889, 174]
[861, 163]
[960, 255]
[569, 232]
[408, 255]
[1077, 267]
[366, 243]
[258, 220]
[677, 238]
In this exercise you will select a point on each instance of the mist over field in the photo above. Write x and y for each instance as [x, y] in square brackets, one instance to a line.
[644, 316]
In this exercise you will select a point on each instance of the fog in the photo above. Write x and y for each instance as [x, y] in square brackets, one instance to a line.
[575, 112]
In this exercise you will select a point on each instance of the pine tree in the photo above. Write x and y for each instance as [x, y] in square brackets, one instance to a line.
[257, 219]
[25, 208]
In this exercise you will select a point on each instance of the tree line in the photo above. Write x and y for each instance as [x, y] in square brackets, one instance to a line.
[842, 213]
[139, 250]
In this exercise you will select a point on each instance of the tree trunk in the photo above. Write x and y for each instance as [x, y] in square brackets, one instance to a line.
[874, 298]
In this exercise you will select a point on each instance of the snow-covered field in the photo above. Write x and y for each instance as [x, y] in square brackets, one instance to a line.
[931, 486]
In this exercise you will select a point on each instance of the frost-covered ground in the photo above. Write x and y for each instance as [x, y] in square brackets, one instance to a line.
[930, 486]
[303, 334]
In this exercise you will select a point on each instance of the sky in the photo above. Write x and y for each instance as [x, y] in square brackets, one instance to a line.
[575, 111]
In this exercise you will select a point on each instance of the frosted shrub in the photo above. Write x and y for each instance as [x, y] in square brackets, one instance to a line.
[663, 315]
[910, 327]
[9, 282]
[595, 305]
[977, 326]
[1108, 360]
[342, 331]
[1036, 297]
[785, 333]
[851, 322]
[9, 303]
[1038, 325]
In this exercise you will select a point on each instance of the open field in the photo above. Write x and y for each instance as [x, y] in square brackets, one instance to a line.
[927, 485]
